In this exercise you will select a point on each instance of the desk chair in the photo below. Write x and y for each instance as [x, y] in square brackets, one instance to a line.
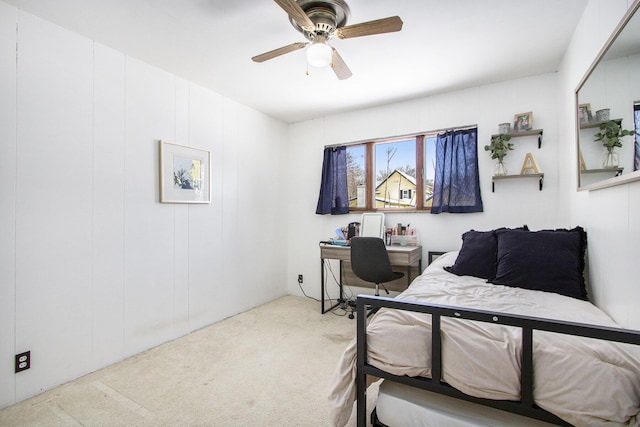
[370, 262]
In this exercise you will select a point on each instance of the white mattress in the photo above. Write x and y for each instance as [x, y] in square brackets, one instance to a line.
[400, 405]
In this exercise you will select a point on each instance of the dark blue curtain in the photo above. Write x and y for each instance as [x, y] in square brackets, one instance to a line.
[636, 157]
[334, 198]
[456, 187]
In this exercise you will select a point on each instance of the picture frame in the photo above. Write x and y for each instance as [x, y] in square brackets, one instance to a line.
[523, 121]
[584, 113]
[185, 174]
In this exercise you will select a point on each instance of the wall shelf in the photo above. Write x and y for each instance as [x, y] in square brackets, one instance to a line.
[589, 125]
[532, 132]
[539, 176]
[617, 171]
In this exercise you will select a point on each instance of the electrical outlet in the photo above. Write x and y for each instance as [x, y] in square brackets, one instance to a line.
[23, 361]
[300, 278]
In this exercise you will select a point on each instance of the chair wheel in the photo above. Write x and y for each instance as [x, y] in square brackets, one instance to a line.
[351, 316]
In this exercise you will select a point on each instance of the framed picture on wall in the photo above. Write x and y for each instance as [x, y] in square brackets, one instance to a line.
[185, 174]
[584, 113]
[523, 121]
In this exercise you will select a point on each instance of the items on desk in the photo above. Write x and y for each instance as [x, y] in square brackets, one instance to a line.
[353, 230]
[402, 235]
[344, 234]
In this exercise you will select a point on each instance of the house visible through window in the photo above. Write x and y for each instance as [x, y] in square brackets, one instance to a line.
[405, 194]
[391, 174]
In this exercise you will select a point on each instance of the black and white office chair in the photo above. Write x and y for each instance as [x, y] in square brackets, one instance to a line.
[370, 262]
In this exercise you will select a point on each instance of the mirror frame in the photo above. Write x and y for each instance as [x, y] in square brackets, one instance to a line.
[625, 178]
[372, 224]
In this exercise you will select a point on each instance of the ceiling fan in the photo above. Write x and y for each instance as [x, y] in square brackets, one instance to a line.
[320, 21]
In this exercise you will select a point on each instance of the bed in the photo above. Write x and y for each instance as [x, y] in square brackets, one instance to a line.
[505, 323]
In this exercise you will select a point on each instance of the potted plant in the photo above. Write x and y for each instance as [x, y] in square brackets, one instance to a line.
[610, 133]
[499, 148]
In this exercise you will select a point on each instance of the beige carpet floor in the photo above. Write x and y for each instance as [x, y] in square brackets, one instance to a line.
[270, 366]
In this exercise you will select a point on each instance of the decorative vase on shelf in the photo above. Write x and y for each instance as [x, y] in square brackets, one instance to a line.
[501, 169]
[610, 160]
[603, 115]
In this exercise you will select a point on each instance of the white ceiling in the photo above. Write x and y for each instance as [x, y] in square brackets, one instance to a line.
[444, 45]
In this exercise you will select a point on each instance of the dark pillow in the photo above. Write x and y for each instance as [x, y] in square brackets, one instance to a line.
[547, 260]
[478, 254]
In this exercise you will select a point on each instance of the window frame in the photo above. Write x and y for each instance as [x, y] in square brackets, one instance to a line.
[370, 172]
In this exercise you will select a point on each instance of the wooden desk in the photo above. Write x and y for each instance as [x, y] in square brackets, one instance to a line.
[409, 257]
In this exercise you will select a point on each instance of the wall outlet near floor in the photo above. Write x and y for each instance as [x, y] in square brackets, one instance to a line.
[300, 278]
[23, 361]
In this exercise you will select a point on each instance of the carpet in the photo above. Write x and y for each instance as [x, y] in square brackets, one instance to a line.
[269, 366]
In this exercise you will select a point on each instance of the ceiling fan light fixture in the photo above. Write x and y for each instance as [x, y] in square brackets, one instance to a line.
[319, 54]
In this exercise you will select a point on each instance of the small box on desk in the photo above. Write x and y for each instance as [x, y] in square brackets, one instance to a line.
[411, 240]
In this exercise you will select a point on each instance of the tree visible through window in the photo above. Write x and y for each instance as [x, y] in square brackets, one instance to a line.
[392, 174]
[356, 176]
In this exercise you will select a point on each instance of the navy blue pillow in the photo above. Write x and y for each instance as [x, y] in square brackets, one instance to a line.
[477, 257]
[547, 260]
[478, 254]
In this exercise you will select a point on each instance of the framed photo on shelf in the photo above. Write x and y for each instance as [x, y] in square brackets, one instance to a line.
[185, 174]
[523, 121]
[584, 113]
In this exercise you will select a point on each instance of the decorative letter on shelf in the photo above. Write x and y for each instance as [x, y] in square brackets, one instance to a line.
[529, 166]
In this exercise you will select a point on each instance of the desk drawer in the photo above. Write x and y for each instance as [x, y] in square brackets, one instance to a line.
[405, 258]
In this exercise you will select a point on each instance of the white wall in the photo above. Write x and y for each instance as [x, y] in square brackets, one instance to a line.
[7, 201]
[93, 268]
[610, 215]
[513, 203]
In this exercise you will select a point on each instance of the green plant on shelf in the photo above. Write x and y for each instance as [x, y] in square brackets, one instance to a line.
[610, 134]
[499, 146]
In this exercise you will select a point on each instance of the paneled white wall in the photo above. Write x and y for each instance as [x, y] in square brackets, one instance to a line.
[8, 167]
[53, 203]
[512, 204]
[610, 215]
[94, 269]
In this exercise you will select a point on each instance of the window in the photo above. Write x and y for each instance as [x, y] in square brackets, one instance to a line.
[636, 120]
[356, 176]
[391, 174]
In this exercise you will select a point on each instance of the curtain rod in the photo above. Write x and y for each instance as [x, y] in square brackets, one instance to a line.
[391, 138]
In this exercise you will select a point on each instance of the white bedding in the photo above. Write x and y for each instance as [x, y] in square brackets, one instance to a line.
[583, 381]
[401, 405]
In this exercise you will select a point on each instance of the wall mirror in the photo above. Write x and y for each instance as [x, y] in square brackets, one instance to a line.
[609, 91]
[372, 225]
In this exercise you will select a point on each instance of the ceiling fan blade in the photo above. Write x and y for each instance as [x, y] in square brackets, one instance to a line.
[378, 26]
[277, 52]
[339, 67]
[297, 14]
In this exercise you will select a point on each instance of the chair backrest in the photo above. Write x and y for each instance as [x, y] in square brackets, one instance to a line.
[370, 261]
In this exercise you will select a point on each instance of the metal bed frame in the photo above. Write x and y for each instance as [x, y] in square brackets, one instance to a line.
[525, 406]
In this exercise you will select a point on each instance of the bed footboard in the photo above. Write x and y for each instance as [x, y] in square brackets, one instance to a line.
[525, 406]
